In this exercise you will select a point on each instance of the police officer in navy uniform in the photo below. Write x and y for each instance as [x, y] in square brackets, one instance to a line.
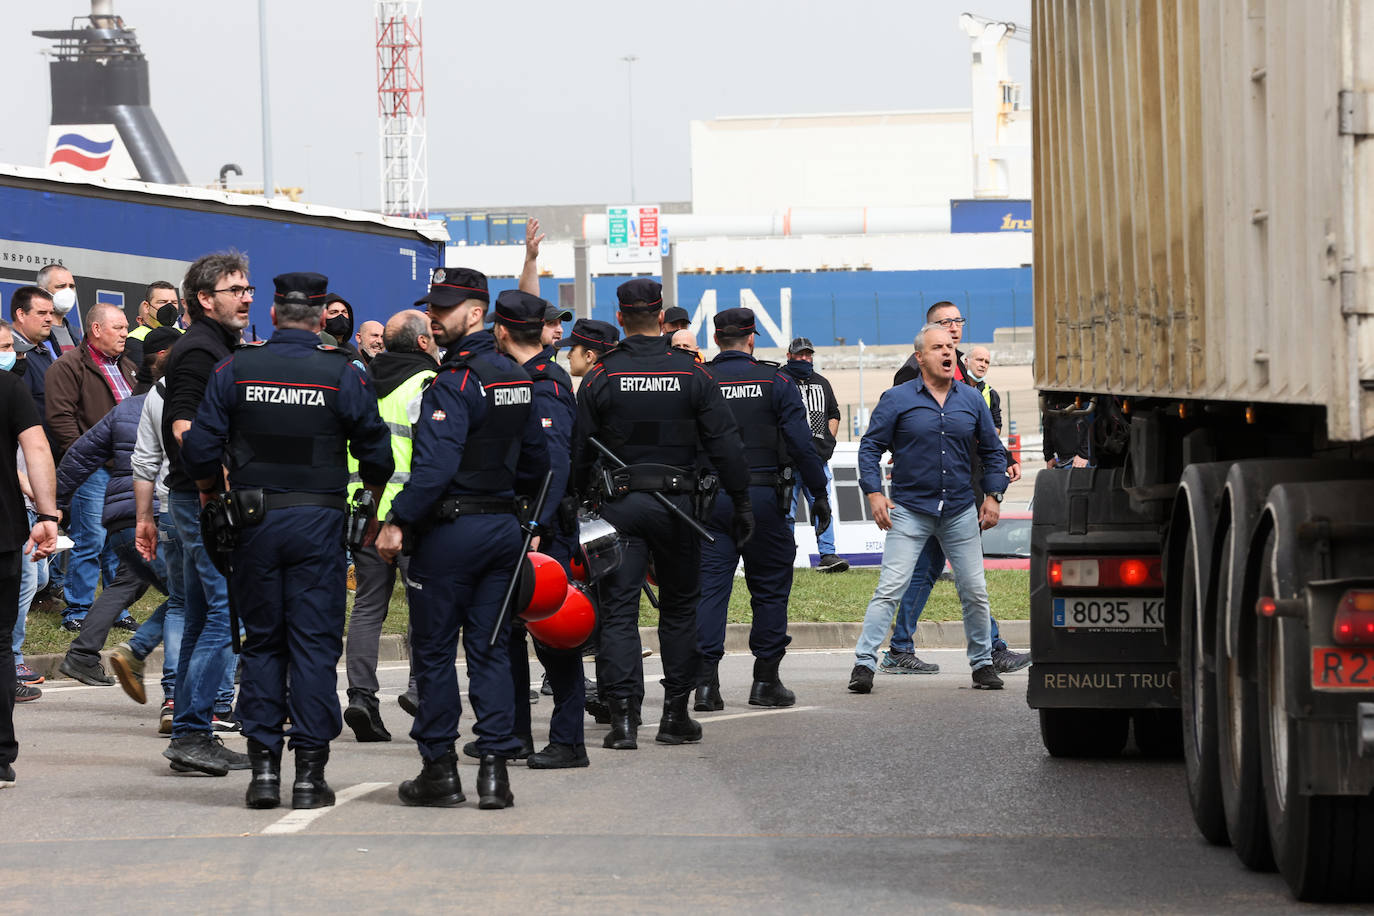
[777, 441]
[520, 317]
[477, 441]
[281, 415]
[656, 409]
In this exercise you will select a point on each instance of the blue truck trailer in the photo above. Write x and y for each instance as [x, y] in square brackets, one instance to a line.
[117, 236]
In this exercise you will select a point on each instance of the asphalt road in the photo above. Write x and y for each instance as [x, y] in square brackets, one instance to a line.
[923, 796]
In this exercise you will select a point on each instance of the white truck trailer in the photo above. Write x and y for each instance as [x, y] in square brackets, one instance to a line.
[1204, 293]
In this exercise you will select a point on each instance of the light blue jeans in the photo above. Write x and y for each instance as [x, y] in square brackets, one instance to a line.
[90, 558]
[205, 649]
[33, 576]
[825, 541]
[959, 537]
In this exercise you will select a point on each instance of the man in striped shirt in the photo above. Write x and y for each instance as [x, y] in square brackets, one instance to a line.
[83, 385]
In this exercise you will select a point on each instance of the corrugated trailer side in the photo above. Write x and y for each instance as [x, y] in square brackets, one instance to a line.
[1203, 193]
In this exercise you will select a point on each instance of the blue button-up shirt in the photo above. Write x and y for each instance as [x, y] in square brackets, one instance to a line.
[932, 446]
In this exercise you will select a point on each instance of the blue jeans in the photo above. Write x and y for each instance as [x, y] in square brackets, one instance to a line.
[91, 557]
[825, 541]
[205, 649]
[960, 539]
[32, 577]
[923, 579]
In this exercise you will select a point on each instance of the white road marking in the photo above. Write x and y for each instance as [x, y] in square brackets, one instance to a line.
[706, 717]
[297, 821]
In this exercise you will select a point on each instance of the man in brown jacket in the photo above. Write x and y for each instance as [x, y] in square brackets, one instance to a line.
[83, 385]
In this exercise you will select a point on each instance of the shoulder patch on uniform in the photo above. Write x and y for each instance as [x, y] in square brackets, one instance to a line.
[438, 416]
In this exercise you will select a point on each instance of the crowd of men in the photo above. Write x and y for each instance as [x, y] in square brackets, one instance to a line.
[218, 472]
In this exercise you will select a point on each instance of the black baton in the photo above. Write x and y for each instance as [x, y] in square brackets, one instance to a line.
[667, 503]
[529, 528]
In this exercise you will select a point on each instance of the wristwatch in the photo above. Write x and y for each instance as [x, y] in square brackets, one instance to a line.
[997, 496]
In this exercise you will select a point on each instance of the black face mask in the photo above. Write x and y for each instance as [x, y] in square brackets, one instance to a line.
[340, 327]
[168, 315]
[800, 368]
[20, 367]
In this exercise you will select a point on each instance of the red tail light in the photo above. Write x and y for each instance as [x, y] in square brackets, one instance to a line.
[1354, 622]
[1116, 573]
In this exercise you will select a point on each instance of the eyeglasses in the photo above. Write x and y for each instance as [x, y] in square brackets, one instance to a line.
[238, 292]
[951, 322]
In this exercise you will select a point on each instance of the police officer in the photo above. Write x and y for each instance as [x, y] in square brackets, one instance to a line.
[777, 439]
[588, 342]
[655, 408]
[519, 316]
[476, 439]
[282, 416]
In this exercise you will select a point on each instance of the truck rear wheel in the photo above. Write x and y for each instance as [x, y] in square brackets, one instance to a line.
[1199, 701]
[1324, 844]
[1238, 753]
[1084, 732]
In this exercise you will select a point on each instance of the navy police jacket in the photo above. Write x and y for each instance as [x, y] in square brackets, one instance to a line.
[279, 415]
[477, 390]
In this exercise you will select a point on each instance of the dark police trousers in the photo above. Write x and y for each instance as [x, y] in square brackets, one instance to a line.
[650, 530]
[458, 576]
[287, 588]
[768, 560]
[564, 669]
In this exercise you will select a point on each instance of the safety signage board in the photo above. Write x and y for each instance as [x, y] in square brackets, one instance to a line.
[632, 233]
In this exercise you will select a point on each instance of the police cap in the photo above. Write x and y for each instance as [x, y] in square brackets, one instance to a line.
[450, 286]
[640, 295]
[592, 334]
[735, 322]
[518, 309]
[306, 288]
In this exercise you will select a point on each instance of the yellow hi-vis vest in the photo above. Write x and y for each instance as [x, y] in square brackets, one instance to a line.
[986, 391]
[140, 332]
[399, 411]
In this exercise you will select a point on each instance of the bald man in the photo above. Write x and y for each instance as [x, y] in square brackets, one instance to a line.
[979, 359]
[82, 385]
[370, 340]
[400, 373]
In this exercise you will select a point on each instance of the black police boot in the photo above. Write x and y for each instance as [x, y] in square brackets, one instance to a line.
[264, 788]
[364, 716]
[559, 757]
[437, 786]
[526, 748]
[624, 726]
[493, 785]
[708, 697]
[768, 689]
[676, 726]
[310, 790]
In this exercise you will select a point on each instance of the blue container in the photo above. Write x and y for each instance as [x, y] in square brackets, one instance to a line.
[457, 224]
[517, 228]
[477, 229]
[498, 229]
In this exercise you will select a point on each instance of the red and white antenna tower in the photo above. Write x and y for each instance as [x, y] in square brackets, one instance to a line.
[401, 108]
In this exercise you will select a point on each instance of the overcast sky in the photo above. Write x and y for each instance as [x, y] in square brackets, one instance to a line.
[526, 100]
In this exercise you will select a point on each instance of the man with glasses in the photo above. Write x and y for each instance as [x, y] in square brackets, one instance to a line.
[901, 655]
[218, 299]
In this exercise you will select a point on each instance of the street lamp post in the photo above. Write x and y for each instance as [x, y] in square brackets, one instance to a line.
[630, 107]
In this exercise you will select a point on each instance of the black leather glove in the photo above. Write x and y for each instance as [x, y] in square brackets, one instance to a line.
[742, 522]
[820, 510]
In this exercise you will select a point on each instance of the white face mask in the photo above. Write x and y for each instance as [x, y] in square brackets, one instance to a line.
[64, 300]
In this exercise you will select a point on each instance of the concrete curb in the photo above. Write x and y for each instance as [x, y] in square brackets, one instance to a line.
[392, 647]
